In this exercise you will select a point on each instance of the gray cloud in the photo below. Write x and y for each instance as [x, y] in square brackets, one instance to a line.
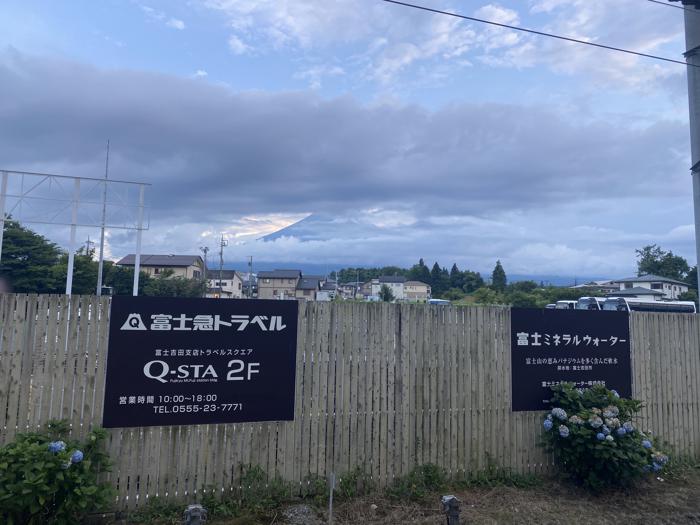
[214, 155]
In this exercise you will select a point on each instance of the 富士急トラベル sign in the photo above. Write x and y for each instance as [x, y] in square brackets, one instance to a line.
[583, 347]
[178, 361]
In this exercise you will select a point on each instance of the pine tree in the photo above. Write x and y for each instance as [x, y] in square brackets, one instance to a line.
[27, 260]
[498, 278]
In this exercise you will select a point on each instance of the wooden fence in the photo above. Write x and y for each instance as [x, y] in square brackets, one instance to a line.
[381, 387]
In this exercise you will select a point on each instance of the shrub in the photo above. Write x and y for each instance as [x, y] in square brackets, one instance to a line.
[594, 440]
[47, 478]
[419, 483]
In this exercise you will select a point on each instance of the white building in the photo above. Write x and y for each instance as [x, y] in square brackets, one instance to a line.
[394, 282]
[670, 288]
[227, 284]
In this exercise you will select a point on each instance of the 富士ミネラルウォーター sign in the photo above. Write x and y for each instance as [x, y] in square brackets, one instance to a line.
[178, 361]
[583, 347]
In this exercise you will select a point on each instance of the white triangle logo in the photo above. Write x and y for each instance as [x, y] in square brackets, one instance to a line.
[134, 322]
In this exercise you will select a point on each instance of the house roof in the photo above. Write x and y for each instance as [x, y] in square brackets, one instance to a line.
[162, 260]
[415, 283]
[649, 278]
[213, 275]
[329, 286]
[280, 274]
[308, 284]
[633, 292]
[392, 279]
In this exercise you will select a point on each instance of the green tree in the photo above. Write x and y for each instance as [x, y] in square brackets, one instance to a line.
[519, 299]
[27, 259]
[692, 278]
[652, 259]
[385, 294]
[690, 295]
[419, 272]
[472, 281]
[165, 285]
[121, 279]
[453, 294]
[456, 277]
[488, 296]
[84, 273]
[498, 278]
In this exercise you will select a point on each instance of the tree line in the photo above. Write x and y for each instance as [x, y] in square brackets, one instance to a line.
[32, 264]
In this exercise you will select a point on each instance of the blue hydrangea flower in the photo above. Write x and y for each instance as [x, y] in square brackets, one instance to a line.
[57, 446]
[559, 413]
[646, 444]
[548, 424]
[600, 436]
[549, 416]
[595, 422]
[611, 411]
[563, 431]
[609, 438]
[605, 430]
[628, 426]
[614, 392]
[621, 431]
[656, 467]
[76, 457]
[659, 458]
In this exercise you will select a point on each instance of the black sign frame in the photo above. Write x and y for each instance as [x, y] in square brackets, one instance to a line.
[191, 361]
[551, 346]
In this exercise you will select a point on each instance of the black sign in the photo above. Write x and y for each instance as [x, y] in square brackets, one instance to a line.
[197, 361]
[584, 347]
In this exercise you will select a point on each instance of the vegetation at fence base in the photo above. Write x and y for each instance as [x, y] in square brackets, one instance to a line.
[47, 478]
[495, 476]
[594, 440]
[419, 483]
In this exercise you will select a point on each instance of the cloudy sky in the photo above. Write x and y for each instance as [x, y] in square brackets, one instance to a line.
[396, 134]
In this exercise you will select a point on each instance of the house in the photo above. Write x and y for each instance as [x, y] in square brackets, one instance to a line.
[670, 288]
[637, 291]
[416, 291]
[278, 284]
[225, 284]
[394, 282]
[352, 290]
[307, 288]
[188, 266]
[600, 286]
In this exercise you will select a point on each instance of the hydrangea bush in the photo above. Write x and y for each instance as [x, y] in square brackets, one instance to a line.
[594, 439]
[49, 479]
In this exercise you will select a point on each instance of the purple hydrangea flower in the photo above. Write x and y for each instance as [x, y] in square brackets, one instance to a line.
[629, 427]
[656, 467]
[605, 430]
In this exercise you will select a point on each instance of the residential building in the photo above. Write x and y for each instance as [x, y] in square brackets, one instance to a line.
[307, 288]
[394, 282]
[351, 290]
[188, 266]
[224, 284]
[670, 288]
[600, 286]
[637, 291]
[416, 291]
[278, 284]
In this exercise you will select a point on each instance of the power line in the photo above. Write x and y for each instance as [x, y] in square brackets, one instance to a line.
[675, 6]
[540, 33]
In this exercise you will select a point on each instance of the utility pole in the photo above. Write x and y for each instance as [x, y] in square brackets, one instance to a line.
[250, 277]
[205, 251]
[692, 57]
[222, 244]
[100, 264]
